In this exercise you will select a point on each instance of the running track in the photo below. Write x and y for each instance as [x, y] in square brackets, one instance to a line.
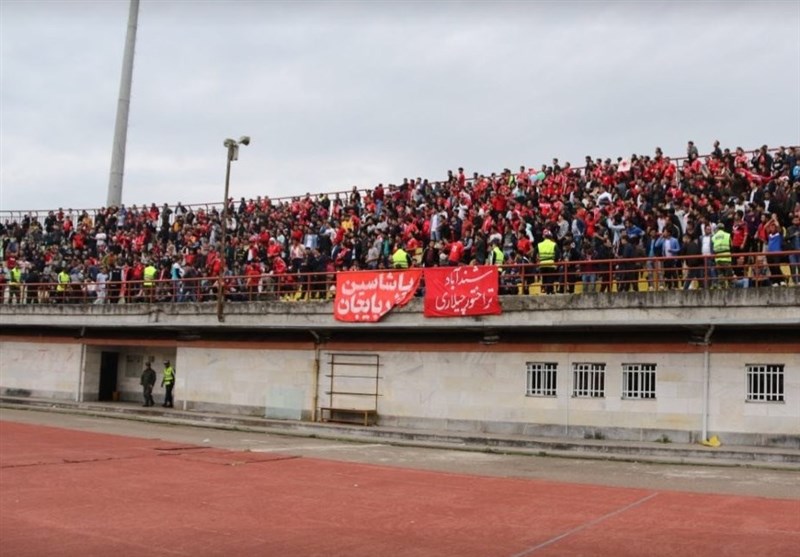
[71, 493]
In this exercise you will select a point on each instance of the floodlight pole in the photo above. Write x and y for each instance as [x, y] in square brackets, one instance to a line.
[233, 154]
[114, 196]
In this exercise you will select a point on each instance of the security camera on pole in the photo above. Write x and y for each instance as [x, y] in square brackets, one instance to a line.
[233, 154]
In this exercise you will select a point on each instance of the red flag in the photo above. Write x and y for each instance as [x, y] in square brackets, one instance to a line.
[459, 291]
[366, 296]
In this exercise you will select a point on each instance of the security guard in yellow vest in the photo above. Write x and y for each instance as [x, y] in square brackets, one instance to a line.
[400, 258]
[14, 283]
[496, 255]
[63, 286]
[721, 245]
[149, 282]
[168, 382]
[546, 256]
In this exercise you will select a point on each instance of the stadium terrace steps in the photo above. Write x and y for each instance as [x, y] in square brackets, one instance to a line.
[599, 449]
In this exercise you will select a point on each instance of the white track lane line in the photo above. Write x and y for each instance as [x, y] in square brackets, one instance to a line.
[584, 526]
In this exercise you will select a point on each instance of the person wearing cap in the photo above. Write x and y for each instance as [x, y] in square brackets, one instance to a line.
[546, 257]
[168, 382]
[147, 382]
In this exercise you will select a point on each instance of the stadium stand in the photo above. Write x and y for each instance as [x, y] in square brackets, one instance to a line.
[643, 222]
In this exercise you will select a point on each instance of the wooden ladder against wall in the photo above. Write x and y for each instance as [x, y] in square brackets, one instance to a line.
[353, 389]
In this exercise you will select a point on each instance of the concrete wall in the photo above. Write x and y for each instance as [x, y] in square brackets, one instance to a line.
[271, 383]
[40, 369]
[487, 392]
[55, 370]
[90, 385]
[131, 364]
[469, 390]
[730, 307]
[730, 412]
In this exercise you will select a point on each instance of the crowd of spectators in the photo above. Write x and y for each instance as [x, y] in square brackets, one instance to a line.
[641, 208]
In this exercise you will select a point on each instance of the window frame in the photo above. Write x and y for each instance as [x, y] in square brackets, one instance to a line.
[640, 371]
[548, 381]
[595, 380]
[770, 379]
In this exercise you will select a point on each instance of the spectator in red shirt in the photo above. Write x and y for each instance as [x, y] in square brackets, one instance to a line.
[455, 253]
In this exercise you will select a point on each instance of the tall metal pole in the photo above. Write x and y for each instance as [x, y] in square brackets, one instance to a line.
[114, 197]
[233, 154]
[223, 238]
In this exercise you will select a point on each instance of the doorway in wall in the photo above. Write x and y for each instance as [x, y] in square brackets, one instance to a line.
[108, 375]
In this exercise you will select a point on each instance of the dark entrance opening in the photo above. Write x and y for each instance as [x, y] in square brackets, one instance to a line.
[108, 375]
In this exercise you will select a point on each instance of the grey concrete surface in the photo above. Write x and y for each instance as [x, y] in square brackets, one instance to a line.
[766, 306]
[602, 449]
[735, 480]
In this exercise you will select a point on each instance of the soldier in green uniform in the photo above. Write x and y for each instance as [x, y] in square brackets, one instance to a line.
[148, 381]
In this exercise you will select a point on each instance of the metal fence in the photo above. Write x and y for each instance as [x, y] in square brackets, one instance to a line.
[745, 270]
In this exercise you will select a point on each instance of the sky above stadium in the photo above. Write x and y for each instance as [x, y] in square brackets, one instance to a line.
[338, 94]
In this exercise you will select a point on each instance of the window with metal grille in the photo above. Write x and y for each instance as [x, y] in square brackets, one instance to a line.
[764, 382]
[589, 380]
[542, 378]
[638, 381]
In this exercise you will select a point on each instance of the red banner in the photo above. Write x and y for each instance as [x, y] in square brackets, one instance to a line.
[459, 291]
[369, 295]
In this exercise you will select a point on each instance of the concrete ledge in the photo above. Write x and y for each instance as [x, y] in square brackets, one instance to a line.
[765, 457]
[764, 306]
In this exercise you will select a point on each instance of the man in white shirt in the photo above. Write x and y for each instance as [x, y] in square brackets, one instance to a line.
[101, 237]
[100, 285]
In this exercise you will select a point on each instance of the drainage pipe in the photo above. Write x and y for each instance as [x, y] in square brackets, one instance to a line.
[81, 373]
[315, 371]
[706, 379]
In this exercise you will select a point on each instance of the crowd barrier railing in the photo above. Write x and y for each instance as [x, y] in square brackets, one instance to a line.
[640, 274]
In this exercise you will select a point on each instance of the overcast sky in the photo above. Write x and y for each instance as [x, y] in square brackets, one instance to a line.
[337, 94]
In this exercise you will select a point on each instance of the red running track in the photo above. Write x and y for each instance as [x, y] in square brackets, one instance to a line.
[71, 493]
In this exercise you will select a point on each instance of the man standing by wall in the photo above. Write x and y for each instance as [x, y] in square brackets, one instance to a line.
[168, 382]
[148, 381]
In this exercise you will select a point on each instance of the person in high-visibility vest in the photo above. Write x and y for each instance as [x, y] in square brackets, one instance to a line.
[168, 382]
[721, 244]
[496, 255]
[546, 256]
[14, 283]
[63, 286]
[149, 282]
[400, 258]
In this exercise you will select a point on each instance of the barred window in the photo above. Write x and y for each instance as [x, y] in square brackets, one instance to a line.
[765, 383]
[638, 381]
[589, 380]
[542, 378]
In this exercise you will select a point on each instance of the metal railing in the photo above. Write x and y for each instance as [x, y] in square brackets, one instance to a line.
[642, 274]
